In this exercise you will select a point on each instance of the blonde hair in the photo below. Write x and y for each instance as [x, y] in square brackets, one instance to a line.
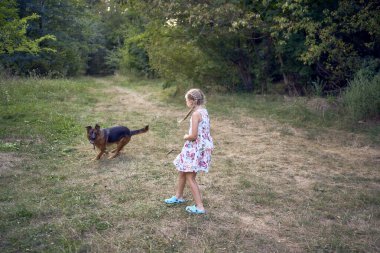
[196, 95]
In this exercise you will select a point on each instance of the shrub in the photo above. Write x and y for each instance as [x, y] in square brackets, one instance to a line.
[362, 97]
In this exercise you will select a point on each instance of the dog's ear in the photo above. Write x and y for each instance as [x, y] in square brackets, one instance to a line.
[97, 127]
[88, 128]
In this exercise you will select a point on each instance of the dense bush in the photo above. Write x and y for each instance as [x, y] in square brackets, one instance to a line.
[362, 97]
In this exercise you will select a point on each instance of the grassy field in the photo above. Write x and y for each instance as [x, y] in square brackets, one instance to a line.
[284, 178]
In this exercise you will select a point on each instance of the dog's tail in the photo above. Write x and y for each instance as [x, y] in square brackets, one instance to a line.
[140, 131]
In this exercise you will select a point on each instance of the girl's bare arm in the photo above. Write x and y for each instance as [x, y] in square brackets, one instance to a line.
[196, 118]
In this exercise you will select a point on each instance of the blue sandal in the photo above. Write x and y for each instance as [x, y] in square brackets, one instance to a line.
[195, 210]
[174, 200]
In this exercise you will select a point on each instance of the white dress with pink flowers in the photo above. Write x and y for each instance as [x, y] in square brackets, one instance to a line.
[196, 155]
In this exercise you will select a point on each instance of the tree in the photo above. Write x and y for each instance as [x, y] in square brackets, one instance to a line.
[340, 36]
[76, 28]
[13, 31]
[240, 36]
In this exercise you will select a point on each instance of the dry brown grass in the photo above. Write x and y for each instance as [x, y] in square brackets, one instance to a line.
[271, 187]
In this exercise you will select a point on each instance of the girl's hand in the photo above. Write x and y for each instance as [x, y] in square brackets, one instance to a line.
[185, 136]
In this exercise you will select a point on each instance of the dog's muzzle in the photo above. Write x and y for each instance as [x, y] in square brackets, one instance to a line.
[92, 141]
[92, 137]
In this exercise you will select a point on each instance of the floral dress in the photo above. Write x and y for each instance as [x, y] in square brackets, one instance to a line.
[196, 155]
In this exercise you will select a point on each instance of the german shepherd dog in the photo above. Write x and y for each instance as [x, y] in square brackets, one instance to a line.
[120, 135]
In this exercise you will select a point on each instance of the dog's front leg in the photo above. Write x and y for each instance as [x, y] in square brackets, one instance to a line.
[102, 151]
[102, 146]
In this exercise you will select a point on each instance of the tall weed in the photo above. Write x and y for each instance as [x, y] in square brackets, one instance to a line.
[362, 98]
[318, 87]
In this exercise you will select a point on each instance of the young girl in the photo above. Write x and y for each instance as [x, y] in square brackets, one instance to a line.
[196, 153]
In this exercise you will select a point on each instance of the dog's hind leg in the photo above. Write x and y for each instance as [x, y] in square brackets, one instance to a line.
[120, 146]
[99, 155]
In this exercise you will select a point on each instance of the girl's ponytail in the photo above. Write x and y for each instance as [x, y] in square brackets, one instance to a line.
[187, 115]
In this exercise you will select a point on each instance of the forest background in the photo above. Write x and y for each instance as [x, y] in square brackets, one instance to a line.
[298, 48]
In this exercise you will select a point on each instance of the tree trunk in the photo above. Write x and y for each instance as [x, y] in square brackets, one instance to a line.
[245, 76]
[42, 17]
[287, 82]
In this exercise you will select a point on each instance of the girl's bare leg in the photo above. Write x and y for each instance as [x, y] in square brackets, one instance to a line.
[190, 179]
[180, 185]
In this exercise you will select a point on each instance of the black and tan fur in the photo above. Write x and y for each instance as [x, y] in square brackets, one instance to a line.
[119, 135]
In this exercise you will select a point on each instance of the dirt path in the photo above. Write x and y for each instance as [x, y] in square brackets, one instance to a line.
[271, 187]
[260, 142]
[270, 181]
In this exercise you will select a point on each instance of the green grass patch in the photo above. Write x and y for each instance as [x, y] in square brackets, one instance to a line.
[53, 198]
[42, 109]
